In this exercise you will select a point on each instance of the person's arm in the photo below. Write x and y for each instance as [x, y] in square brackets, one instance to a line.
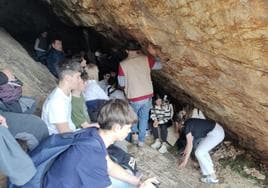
[36, 44]
[121, 77]
[63, 127]
[117, 172]
[188, 150]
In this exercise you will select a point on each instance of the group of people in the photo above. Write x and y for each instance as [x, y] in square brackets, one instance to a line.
[110, 111]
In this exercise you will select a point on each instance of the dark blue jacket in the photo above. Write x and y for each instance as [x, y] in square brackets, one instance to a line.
[54, 58]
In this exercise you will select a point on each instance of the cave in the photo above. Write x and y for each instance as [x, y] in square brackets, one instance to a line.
[216, 51]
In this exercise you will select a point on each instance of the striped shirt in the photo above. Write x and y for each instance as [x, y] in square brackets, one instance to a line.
[162, 113]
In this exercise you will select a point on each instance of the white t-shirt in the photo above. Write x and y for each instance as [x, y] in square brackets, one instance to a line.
[57, 109]
[93, 91]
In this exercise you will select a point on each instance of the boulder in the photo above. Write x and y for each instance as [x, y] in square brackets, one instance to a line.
[37, 80]
[217, 51]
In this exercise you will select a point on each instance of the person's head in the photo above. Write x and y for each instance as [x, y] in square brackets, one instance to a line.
[158, 100]
[133, 45]
[113, 82]
[117, 116]
[92, 71]
[57, 44]
[106, 76]
[70, 73]
[44, 34]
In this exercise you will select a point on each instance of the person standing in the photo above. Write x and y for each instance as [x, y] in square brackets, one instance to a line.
[134, 76]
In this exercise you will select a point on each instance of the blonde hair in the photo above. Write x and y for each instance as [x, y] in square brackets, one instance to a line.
[92, 72]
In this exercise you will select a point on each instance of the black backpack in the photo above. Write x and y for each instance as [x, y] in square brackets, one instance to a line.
[122, 158]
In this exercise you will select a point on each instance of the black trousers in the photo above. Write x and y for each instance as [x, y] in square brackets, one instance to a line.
[163, 131]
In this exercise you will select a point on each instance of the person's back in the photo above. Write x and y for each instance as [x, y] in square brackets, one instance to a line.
[137, 76]
[81, 165]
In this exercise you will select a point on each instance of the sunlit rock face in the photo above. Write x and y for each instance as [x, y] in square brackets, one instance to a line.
[37, 81]
[218, 53]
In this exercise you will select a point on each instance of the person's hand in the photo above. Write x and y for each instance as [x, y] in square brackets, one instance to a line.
[9, 74]
[155, 123]
[3, 121]
[149, 183]
[183, 164]
[183, 153]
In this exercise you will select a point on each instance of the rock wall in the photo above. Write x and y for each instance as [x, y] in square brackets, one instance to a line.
[37, 80]
[217, 51]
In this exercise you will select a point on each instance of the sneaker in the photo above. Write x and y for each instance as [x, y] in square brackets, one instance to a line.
[140, 144]
[163, 148]
[134, 139]
[156, 144]
[209, 179]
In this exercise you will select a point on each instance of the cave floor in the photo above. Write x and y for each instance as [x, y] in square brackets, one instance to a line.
[165, 167]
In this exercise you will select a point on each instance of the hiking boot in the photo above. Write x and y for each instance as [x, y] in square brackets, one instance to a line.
[140, 144]
[134, 139]
[156, 144]
[209, 179]
[163, 148]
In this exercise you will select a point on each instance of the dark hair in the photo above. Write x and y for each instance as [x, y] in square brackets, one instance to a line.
[133, 45]
[116, 111]
[84, 75]
[113, 81]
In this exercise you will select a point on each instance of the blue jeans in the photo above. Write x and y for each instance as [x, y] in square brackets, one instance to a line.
[142, 109]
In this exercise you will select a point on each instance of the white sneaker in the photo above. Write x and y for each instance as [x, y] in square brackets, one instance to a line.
[209, 179]
[156, 144]
[163, 148]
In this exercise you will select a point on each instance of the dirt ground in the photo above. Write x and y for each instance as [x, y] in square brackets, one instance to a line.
[165, 167]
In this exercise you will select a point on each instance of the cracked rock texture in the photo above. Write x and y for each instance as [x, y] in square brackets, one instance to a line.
[217, 51]
[37, 80]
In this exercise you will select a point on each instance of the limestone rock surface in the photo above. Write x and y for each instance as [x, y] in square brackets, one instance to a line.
[37, 80]
[218, 53]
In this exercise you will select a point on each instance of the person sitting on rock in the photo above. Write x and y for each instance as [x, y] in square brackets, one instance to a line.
[11, 99]
[55, 57]
[93, 167]
[203, 135]
[56, 111]
[94, 95]
[41, 47]
[160, 116]
[80, 116]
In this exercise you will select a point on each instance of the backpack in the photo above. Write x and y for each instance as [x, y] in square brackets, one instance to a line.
[47, 152]
[122, 158]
